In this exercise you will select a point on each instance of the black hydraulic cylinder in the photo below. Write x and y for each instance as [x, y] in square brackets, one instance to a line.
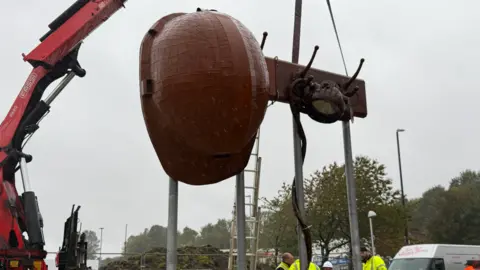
[67, 14]
[33, 220]
[36, 114]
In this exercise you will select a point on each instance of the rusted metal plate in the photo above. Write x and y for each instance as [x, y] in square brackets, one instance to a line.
[204, 92]
[281, 72]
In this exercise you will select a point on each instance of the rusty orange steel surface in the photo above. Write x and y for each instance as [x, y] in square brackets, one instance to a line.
[204, 92]
[205, 85]
[280, 73]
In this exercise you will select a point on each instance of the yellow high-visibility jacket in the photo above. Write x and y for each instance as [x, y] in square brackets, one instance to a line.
[374, 263]
[296, 266]
[283, 266]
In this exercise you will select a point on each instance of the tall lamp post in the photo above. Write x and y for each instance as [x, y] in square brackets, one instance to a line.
[100, 251]
[125, 242]
[371, 215]
[401, 185]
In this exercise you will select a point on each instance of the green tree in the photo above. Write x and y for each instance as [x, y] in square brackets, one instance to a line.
[188, 237]
[460, 206]
[157, 236]
[466, 178]
[154, 237]
[93, 244]
[389, 228]
[138, 243]
[422, 212]
[327, 208]
[216, 235]
[278, 224]
[375, 192]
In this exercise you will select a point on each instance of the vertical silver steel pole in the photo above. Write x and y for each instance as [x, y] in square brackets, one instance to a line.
[297, 149]
[351, 197]
[125, 241]
[372, 237]
[101, 245]
[241, 239]
[172, 225]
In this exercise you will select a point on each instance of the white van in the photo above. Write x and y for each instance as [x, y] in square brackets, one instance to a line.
[434, 257]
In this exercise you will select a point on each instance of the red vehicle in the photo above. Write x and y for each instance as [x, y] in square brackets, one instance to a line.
[55, 57]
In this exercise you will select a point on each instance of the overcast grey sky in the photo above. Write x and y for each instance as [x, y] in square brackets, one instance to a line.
[93, 150]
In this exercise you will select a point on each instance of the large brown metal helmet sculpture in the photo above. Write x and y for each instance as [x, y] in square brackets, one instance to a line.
[204, 84]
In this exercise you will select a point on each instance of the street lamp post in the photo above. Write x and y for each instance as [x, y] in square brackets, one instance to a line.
[401, 185]
[125, 242]
[101, 244]
[371, 215]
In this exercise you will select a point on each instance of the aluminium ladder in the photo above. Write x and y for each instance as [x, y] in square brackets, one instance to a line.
[252, 211]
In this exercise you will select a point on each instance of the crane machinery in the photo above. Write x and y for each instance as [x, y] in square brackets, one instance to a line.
[204, 94]
[21, 225]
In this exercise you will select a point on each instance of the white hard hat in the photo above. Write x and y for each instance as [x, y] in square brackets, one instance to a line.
[327, 264]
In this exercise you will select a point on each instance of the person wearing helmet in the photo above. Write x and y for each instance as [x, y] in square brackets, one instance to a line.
[370, 261]
[327, 266]
[296, 266]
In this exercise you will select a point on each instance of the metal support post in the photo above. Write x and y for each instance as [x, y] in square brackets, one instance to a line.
[372, 236]
[125, 241]
[296, 139]
[352, 197]
[172, 225]
[241, 239]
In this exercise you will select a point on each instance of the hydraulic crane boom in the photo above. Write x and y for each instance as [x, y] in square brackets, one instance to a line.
[53, 58]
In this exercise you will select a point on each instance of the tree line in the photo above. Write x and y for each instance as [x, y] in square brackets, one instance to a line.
[441, 215]
[448, 215]
[217, 235]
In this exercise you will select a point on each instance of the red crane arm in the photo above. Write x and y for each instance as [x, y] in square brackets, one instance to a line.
[53, 58]
[58, 43]
[55, 45]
